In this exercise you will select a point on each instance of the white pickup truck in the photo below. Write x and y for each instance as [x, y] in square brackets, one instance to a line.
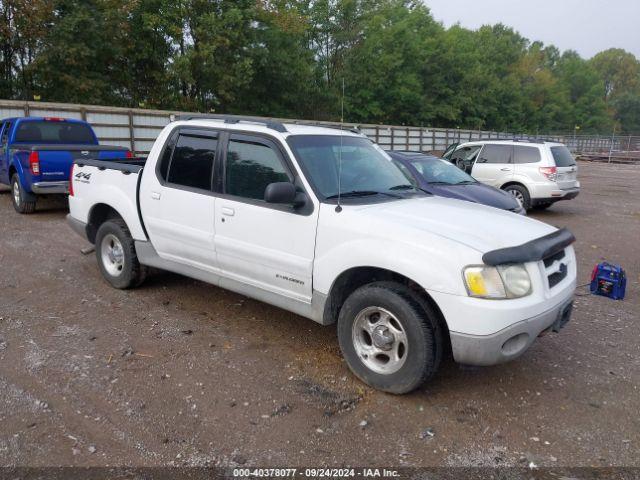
[320, 222]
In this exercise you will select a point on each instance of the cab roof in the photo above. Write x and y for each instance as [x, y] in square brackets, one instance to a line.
[252, 124]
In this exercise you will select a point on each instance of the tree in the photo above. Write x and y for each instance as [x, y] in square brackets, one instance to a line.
[583, 89]
[81, 54]
[289, 58]
[627, 112]
[384, 71]
[283, 82]
[22, 29]
[619, 70]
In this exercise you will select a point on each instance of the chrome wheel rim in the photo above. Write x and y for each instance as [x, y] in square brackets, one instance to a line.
[380, 340]
[112, 255]
[518, 196]
[16, 193]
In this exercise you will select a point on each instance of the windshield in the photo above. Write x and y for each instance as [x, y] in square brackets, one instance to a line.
[365, 166]
[437, 170]
[47, 131]
[563, 157]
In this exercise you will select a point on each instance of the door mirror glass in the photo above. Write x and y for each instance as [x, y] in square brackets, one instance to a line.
[280, 192]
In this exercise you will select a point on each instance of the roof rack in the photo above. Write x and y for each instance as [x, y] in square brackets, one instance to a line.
[272, 124]
[520, 140]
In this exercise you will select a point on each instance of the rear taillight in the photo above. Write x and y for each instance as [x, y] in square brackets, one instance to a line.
[34, 163]
[550, 172]
[129, 154]
[71, 181]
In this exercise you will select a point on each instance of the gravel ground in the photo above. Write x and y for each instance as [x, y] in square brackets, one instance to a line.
[178, 372]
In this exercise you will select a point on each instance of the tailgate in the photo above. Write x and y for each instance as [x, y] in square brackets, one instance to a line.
[56, 160]
[567, 177]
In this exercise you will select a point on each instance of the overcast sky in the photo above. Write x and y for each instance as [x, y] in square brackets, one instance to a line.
[587, 26]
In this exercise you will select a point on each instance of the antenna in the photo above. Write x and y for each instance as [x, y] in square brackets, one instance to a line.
[339, 207]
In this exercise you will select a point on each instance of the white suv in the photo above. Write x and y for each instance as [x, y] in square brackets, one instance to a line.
[538, 173]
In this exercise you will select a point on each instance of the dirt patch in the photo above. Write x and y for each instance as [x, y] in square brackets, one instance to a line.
[178, 372]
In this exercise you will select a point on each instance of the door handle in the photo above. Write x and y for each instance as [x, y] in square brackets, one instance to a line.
[155, 195]
[507, 169]
[228, 211]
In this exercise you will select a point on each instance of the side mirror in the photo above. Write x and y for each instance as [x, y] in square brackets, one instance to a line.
[280, 192]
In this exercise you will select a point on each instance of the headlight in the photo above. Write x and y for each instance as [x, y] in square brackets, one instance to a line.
[504, 281]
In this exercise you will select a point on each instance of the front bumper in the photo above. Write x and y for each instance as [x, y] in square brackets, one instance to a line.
[77, 226]
[510, 342]
[44, 188]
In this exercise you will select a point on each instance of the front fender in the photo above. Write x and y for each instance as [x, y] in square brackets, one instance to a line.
[435, 267]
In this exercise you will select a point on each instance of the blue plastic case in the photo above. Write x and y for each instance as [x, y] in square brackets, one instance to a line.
[608, 280]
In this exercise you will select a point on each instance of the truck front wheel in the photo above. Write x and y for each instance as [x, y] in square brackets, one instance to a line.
[389, 340]
[116, 254]
[23, 202]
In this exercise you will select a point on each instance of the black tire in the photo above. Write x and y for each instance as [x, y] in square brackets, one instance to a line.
[123, 270]
[542, 206]
[521, 193]
[423, 351]
[23, 202]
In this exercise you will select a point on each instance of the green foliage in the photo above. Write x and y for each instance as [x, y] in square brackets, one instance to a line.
[290, 58]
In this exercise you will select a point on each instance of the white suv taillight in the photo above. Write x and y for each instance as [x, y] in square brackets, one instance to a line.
[551, 173]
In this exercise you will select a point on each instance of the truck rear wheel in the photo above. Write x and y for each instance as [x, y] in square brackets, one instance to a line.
[116, 254]
[389, 340]
[23, 202]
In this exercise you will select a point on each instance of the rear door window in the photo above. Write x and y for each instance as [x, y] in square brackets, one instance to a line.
[54, 132]
[192, 161]
[496, 154]
[562, 156]
[527, 154]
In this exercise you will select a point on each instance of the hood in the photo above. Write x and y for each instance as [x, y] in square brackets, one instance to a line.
[479, 193]
[476, 226]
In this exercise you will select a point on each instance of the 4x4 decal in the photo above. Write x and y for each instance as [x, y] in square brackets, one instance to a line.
[83, 177]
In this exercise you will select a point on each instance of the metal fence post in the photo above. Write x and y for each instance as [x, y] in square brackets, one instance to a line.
[611, 146]
[132, 133]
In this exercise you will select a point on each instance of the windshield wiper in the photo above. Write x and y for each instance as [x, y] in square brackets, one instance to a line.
[362, 193]
[403, 187]
[441, 183]
[466, 182]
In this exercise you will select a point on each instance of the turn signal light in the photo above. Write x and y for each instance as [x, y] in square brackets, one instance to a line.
[34, 163]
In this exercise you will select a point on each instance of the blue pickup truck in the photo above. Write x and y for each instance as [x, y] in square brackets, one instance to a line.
[36, 154]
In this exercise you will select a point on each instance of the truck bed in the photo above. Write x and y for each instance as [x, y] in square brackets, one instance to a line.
[108, 184]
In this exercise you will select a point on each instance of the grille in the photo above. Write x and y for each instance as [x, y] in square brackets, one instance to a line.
[557, 275]
[557, 256]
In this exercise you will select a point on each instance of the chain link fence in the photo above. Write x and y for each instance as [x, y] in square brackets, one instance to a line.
[137, 129]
